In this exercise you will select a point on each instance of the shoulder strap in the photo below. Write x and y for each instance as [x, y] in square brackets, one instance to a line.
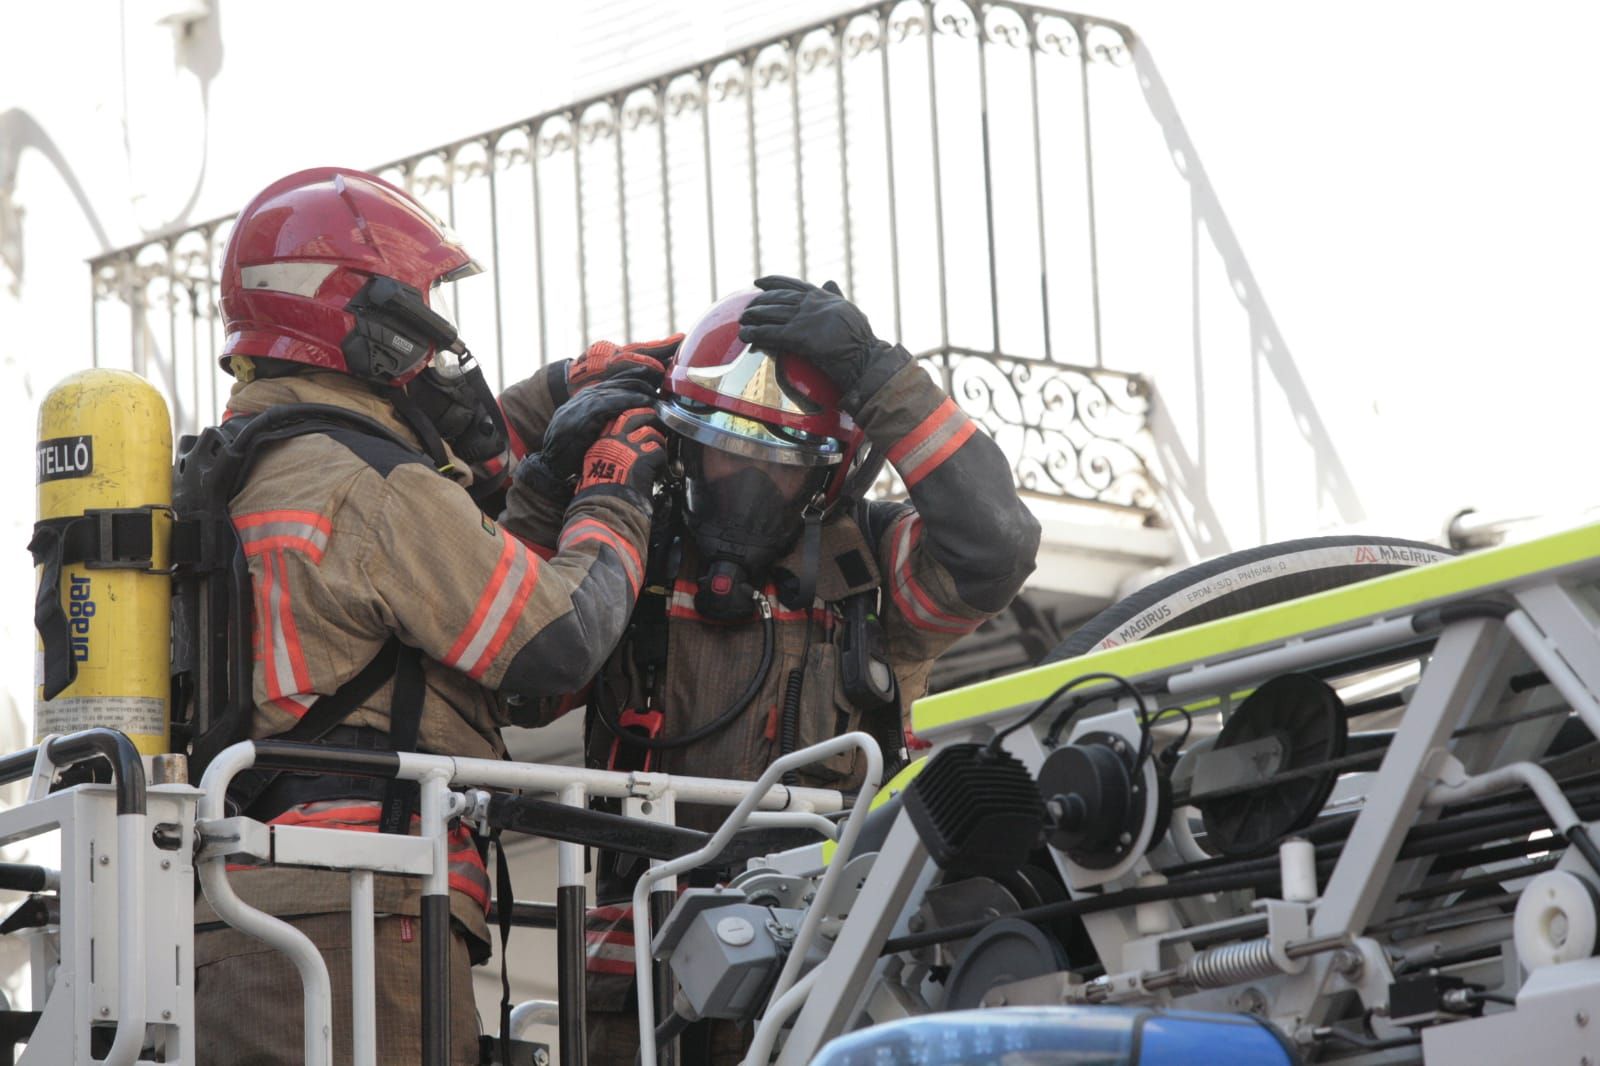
[323, 717]
[207, 546]
[405, 723]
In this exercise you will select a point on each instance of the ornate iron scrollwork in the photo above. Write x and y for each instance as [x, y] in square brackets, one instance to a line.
[1069, 431]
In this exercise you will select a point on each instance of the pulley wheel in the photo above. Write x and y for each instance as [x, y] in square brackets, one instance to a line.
[1095, 790]
[1007, 950]
[1307, 719]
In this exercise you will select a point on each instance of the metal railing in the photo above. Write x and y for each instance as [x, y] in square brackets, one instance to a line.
[937, 158]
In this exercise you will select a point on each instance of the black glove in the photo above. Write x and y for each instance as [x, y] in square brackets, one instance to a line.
[794, 317]
[577, 424]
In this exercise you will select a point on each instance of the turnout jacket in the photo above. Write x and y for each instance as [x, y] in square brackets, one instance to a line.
[352, 540]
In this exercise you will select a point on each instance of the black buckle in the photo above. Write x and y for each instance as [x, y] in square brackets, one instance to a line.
[124, 538]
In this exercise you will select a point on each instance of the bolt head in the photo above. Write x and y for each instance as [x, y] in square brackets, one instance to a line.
[1347, 963]
[541, 1057]
[105, 1012]
[166, 1015]
[166, 864]
[1125, 839]
[105, 860]
[1582, 1018]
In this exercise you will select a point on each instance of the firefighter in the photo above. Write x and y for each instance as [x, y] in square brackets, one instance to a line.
[781, 608]
[390, 611]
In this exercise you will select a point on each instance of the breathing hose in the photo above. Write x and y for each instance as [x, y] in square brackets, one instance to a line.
[789, 723]
[717, 724]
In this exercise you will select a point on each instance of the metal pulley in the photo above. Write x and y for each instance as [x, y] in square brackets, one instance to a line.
[1097, 798]
[1260, 782]
[1009, 950]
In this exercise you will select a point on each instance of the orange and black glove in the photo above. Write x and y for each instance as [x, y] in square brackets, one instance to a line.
[644, 362]
[627, 459]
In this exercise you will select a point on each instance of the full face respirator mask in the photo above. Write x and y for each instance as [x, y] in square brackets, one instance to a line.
[744, 514]
[453, 395]
[395, 326]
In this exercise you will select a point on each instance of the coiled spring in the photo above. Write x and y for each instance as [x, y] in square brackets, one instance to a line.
[1232, 964]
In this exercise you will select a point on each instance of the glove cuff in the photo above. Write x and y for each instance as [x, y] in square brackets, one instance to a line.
[560, 390]
[627, 493]
[536, 475]
[884, 361]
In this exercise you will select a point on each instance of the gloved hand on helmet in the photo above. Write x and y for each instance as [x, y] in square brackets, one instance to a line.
[797, 318]
[629, 455]
[573, 430]
[644, 362]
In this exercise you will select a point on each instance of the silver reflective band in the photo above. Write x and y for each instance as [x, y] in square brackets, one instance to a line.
[300, 279]
[739, 435]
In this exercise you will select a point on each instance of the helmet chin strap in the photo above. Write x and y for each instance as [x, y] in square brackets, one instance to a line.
[421, 425]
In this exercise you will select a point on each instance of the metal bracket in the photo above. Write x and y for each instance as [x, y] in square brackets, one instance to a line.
[233, 837]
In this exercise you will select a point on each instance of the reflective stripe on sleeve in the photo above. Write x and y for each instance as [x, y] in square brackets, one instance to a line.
[516, 573]
[280, 654]
[921, 452]
[264, 531]
[587, 529]
[915, 604]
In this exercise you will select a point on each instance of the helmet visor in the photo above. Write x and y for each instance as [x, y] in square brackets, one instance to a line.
[738, 435]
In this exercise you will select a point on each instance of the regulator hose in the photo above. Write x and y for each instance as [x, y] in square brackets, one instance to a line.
[789, 723]
[717, 724]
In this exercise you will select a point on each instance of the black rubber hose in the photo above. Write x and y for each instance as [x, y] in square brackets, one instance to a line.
[1578, 836]
[671, 1027]
[789, 722]
[789, 729]
[717, 724]
[1072, 908]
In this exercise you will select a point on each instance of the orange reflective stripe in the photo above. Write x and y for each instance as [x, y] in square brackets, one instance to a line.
[681, 605]
[920, 452]
[936, 458]
[264, 531]
[591, 529]
[909, 596]
[288, 680]
[515, 574]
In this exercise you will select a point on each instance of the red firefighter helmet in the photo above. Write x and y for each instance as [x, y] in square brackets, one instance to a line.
[767, 406]
[333, 268]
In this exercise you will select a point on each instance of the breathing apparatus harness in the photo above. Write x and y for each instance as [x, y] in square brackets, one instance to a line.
[213, 658]
[731, 593]
[447, 401]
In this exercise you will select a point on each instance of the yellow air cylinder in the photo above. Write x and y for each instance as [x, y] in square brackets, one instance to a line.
[105, 448]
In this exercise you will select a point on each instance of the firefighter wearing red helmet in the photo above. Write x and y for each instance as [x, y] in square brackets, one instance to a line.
[781, 608]
[390, 610]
